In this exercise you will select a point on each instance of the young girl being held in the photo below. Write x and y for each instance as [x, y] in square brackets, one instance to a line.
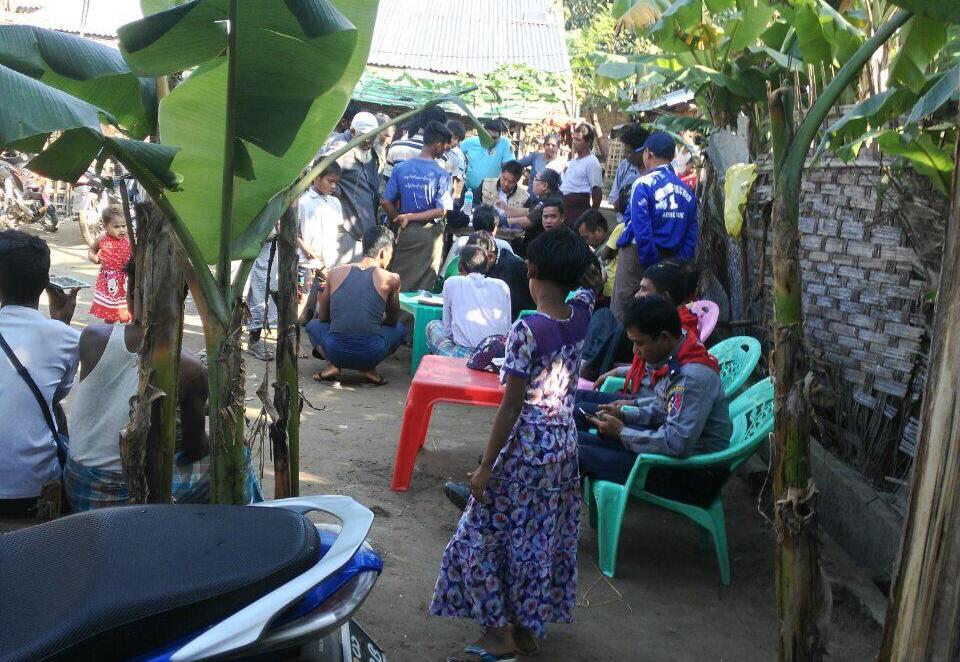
[512, 563]
[112, 252]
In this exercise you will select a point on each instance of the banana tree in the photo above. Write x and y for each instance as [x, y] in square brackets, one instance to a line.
[237, 131]
[824, 39]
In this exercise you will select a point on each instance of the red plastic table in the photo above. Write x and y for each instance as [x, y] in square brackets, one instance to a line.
[438, 379]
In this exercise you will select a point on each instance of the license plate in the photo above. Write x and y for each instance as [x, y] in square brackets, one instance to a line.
[358, 646]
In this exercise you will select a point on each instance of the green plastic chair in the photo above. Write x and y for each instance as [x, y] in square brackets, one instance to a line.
[752, 417]
[452, 269]
[737, 357]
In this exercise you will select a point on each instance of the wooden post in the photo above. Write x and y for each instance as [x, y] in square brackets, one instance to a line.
[924, 608]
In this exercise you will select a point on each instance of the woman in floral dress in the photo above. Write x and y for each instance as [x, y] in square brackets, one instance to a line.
[512, 563]
[112, 252]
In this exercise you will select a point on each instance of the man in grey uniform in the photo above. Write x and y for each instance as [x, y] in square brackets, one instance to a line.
[687, 415]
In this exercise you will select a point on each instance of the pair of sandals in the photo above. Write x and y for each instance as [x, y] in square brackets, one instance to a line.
[483, 655]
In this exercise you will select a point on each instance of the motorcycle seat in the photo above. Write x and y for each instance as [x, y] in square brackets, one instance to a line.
[113, 583]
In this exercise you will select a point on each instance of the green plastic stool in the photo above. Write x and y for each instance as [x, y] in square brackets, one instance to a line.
[422, 314]
[752, 417]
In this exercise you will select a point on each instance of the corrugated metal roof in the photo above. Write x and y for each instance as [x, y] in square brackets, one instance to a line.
[457, 36]
[103, 17]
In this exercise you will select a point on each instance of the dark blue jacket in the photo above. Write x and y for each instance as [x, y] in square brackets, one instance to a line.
[662, 216]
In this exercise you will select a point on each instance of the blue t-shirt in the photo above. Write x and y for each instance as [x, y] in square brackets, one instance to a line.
[481, 163]
[419, 184]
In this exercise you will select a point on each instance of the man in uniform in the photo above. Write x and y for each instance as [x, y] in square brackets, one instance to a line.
[687, 415]
[660, 221]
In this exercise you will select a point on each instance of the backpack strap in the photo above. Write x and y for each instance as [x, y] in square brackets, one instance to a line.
[38, 396]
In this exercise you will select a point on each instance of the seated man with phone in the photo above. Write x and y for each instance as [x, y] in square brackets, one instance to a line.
[687, 415]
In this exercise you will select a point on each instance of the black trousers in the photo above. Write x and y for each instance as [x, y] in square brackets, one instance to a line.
[606, 459]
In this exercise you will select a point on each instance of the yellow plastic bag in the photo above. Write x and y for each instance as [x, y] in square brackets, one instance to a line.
[736, 190]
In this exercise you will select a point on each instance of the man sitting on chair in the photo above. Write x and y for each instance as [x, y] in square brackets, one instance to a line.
[687, 415]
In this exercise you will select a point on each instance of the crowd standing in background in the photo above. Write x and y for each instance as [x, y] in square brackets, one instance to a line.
[537, 263]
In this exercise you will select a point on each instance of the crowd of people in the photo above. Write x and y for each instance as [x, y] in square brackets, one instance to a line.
[544, 280]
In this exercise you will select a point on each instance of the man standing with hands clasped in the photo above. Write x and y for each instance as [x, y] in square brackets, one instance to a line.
[661, 220]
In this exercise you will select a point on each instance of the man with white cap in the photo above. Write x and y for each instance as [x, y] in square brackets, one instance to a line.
[359, 188]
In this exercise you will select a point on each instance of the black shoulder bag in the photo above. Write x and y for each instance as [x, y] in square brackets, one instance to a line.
[60, 439]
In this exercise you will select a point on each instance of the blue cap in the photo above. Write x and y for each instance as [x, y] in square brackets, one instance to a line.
[661, 144]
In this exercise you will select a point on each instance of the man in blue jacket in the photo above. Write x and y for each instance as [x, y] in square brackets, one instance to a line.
[661, 220]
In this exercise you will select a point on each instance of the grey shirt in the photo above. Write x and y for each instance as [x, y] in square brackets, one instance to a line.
[687, 415]
[359, 190]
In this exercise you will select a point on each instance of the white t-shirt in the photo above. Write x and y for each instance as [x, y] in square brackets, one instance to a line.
[582, 175]
[461, 242]
[475, 307]
[320, 218]
[49, 350]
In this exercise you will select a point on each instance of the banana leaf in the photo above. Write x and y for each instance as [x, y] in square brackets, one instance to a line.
[85, 69]
[920, 43]
[923, 155]
[943, 10]
[938, 94]
[638, 14]
[824, 36]
[872, 112]
[297, 63]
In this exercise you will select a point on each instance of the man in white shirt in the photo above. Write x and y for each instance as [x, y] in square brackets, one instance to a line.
[322, 241]
[583, 178]
[48, 349]
[474, 308]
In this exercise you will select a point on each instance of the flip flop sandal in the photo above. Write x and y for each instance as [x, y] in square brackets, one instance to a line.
[366, 383]
[484, 655]
[332, 379]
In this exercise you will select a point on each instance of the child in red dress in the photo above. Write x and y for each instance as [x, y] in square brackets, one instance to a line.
[112, 252]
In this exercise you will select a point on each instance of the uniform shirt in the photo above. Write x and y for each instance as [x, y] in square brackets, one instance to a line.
[320, 218]
[419, 184]
[662, 217]
[582, 175]
[482, 162]
[475, 307]
[49, 350]
[688, 414]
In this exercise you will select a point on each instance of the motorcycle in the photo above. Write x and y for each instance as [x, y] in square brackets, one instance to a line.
[90, 198]
[184, 582]
[23, 199]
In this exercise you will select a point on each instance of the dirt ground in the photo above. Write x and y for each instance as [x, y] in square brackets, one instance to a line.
[666, 604]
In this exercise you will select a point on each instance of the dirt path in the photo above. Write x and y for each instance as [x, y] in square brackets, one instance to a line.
[666, 604]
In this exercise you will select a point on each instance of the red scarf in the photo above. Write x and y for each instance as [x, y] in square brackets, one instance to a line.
[688, 323]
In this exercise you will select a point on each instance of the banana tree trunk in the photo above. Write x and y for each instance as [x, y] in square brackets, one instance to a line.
[225, 374]
[149, 442]
[798, 577]
[285, 432]
[924, 606]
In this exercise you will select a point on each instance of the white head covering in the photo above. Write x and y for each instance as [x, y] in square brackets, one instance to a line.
[364, 122]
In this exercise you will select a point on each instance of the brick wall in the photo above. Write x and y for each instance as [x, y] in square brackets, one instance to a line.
[864, 288]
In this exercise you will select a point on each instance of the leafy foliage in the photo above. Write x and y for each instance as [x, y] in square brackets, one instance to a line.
[84, 69]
